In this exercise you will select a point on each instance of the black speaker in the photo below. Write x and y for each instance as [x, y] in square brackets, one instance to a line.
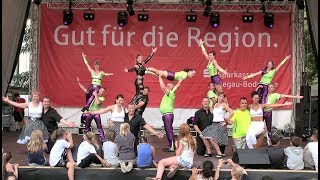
[305, 91]
[302, 117]
[253, 158]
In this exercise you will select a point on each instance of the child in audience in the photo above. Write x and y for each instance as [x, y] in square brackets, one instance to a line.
[146, 153]
[9, 170]
[237, 172]
[185, 149]
[294, 154]
[87, 153]
[60, 154]
[125, 140]
[110, 150]
[310, 152]
[206, 173]
[36, 149]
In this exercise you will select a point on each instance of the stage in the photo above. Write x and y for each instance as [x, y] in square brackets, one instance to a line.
[19, 153]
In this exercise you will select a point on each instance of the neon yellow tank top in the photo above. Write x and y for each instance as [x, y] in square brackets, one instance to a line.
[96, 79]
[212, 69]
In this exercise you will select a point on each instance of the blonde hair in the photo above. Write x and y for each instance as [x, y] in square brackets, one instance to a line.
[237, 172]
[58, 134]
[36, 141]
[91, 138]
[124, 129]
[35, 93]
[184, 132]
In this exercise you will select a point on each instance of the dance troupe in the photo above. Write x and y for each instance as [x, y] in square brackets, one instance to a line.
[215, 133]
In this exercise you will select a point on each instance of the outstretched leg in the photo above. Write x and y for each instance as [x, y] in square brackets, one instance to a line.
[157, 72]
[97, 119]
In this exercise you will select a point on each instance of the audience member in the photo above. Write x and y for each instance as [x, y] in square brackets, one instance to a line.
[60, 155]
[87, 152]
[36, 149]
[125, 141]
[206, 173]
[237, 172]
[146, 153]
[310, 152]
[18, 113]
[9, 170]
[110, 150]
[185, 148]
[294, 154]
[276, 154]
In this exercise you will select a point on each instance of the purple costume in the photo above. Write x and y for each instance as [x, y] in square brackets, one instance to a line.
[168, 121]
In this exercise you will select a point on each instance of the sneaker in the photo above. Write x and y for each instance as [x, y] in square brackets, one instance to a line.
[24, 141]
[173, 172]
[219, 156]
[84, 109]
[95, 165]
[82, 125]
[129, 167]
[123, 167]
[224, 155]
[207, 155]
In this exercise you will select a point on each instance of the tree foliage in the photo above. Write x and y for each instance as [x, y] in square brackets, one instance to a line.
[21, 80]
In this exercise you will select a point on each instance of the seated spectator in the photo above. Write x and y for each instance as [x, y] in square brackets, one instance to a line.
[36, 149]
[110, 150]
[60, 154]
[125, 141]
[146, 153]
[9, 170]
[294, 154]
[87, 153]
[205, 173]
[276, 154]
[237, 172]
[310, 152]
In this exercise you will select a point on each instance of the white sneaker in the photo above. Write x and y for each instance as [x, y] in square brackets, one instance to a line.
[123, 167]
[24, 141]
[129, 167]
[95, 165]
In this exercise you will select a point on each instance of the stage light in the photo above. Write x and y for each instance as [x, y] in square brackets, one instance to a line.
[247, 17]
[122, 18]
[37, 2]
[89, 15]
[191, 16]
[67, 17]
[143, 15]
[268, 20]
[130, 8]
[207, 9]
[214, 19]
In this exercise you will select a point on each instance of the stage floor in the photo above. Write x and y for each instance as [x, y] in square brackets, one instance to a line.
[19, 152]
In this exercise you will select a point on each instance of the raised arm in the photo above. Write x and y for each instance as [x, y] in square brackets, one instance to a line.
[131, 69]
[276, 105]
[106, 74]
[80, 85]
[252, 75]
[290, 96]
[227, 108]
[15, 104]
[282, 62]
[96, 98]
[150, 55]
[86, 63]
[163, 86]
[179, 83]
[204, 51]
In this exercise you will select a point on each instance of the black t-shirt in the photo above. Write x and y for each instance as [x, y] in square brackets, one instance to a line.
[135, 123]
[145, 99]
[50, 119]
[203, 119]
[276, 156]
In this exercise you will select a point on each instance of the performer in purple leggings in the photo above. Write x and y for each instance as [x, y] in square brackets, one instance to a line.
[213, 68]
[170, 75]
[166, 109]
[95, 105]
[267, 75]
[140, 72]
[96, 75]
[272, 98]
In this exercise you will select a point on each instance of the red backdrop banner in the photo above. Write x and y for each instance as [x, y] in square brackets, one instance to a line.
[241, 48]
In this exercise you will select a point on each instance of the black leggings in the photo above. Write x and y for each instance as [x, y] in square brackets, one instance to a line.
[91, 158]
[139, 88]
[222, 148]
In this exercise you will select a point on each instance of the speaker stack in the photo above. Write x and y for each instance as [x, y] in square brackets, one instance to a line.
[303, 111]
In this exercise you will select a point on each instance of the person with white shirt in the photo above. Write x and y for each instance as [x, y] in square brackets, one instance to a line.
[60, 154]
[117, 113]
[110, 150]
[310, 152]
[87, 153]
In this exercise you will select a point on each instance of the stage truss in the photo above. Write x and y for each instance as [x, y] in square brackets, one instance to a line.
[222, 6]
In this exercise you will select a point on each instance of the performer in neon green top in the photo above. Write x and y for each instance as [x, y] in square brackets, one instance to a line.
[95, 105]
[267, 75]
[96, 76]
[166, 109]
[272, 98]
[213, 68]
[170, 75]
[211, 95]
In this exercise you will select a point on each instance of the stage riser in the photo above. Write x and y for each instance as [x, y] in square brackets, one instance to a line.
[138, 174]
